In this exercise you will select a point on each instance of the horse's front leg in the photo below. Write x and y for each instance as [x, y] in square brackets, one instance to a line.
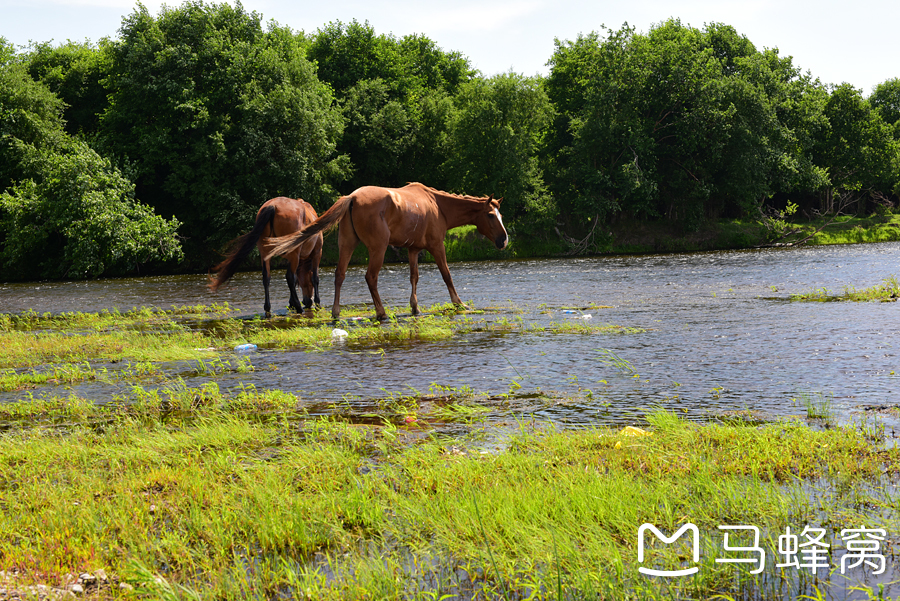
[414, 279]
[440, 257]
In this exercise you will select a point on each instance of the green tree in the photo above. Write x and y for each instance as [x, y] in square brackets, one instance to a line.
[76, 217]
[678, 123]
[64, 210]
[346, 54]
[379, 132]
[495, 136]
[885, 99]
[214, 115]
[395, 96]
[29, 114]
[74, 72]
[857, 149]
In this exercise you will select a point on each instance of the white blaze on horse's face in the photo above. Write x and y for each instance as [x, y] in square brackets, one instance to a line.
[504, 236]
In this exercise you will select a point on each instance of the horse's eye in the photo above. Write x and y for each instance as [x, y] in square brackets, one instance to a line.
[492, 216]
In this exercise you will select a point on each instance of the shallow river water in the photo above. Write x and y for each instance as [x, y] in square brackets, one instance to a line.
[720, 333]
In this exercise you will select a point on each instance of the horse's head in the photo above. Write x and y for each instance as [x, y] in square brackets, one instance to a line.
[490, 223]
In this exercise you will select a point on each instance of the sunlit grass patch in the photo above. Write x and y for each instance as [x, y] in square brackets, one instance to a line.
[887, 291]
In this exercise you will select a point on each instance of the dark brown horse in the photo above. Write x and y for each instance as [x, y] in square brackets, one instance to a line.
[282, 216]
[415, 217]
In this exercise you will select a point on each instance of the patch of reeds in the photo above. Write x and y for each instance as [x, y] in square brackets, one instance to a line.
[818, 405]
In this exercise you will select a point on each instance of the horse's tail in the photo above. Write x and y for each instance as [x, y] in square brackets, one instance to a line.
[241, 247]
[329, 219]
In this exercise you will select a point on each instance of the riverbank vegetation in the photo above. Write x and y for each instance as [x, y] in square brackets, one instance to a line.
[887, 291]
[151, 149]
[246, 497]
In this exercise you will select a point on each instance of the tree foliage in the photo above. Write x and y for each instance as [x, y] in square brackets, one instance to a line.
[496, 133]
[213, 115]
[678, 123]
[396, 100]
[74, 72]
[65, 211]
[886, 100]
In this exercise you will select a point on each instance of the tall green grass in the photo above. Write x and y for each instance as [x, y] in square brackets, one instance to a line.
[227, 503]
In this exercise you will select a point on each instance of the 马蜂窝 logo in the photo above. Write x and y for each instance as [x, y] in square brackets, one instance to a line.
[695, 541]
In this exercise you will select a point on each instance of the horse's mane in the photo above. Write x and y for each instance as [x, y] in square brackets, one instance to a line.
[450, 194]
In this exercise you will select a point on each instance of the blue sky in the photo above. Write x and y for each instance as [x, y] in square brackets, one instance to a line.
[854, 42]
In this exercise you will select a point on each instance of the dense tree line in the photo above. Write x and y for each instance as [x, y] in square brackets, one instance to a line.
[158, 146]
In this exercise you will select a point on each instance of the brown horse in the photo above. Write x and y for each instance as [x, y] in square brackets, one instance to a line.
[415, 217]
[282, 216]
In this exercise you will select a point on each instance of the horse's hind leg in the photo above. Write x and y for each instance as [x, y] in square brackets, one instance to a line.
[347, 242]
[266, 274]
[291, 277]
[304, 278]
[314, 274]
[376, 260]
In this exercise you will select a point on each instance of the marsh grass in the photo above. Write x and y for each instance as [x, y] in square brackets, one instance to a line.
[198, 495]
[887, 291]
[818, 405]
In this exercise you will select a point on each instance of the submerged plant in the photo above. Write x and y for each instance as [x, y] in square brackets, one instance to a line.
[609, 357]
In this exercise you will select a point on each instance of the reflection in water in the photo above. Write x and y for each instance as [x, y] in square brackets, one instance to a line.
[720, 335]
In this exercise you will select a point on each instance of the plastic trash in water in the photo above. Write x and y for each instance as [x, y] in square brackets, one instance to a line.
[569, 311]
[339, 333]
[632, 431]
[243, 348]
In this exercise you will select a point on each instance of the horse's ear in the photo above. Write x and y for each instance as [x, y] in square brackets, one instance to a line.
[499, 200]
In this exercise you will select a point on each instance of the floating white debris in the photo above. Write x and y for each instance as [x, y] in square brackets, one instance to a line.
[244, 348]
[339, 333]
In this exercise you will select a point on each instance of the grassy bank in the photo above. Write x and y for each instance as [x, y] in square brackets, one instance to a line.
[628, 236]
[228, 501]
[631, 236]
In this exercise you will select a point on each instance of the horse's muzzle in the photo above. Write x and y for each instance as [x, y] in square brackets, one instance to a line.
[501, 241]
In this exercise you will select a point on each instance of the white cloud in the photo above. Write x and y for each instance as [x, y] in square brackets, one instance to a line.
[482, 16]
